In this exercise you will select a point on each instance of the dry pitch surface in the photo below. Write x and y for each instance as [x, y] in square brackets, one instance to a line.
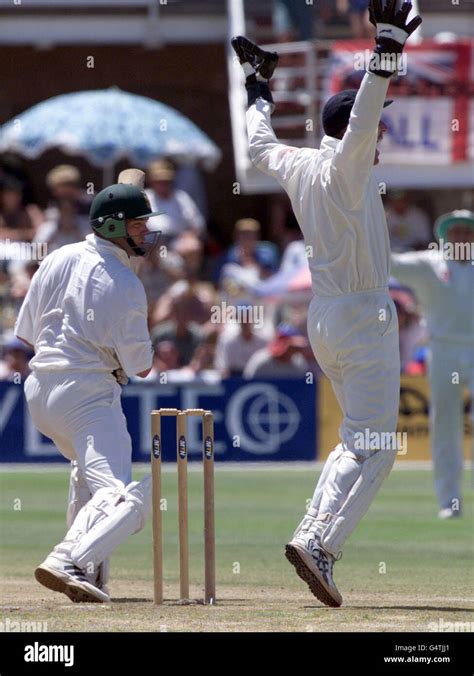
[402, 570]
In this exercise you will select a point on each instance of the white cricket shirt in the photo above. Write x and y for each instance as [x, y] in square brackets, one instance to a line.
[334, 194]
[444, 289]
[86, 309]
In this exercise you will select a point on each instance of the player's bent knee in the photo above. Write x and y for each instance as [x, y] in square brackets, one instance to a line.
[127, 511]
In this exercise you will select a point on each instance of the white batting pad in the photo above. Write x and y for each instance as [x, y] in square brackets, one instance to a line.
[79, 493]
[346, 492]
[114, 525]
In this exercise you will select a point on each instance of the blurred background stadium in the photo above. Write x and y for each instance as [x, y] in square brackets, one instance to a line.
[231, 239]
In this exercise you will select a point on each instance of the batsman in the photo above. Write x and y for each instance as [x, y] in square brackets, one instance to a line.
[85, 316]
[352, 321]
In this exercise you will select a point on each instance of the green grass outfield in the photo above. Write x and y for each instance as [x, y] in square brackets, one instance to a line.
[403, 569]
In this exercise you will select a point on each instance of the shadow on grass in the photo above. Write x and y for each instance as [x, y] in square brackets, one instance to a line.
[247, 602]
[437, 609]
[191, 602]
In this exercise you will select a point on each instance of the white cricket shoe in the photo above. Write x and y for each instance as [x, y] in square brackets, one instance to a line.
[98, 578]
[63, 576]
[448, 513]
[314, 565]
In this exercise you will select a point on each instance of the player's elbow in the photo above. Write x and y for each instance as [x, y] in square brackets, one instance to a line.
[256, 153]
[143, 374]
[259, 148]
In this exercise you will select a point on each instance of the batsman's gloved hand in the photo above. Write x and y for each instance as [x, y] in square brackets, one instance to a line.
[120, 376]
[392, 33]
[258, 67]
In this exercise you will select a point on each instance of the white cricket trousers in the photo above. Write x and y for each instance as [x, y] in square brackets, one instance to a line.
[355, 341]
[450, 369]
[82, 413]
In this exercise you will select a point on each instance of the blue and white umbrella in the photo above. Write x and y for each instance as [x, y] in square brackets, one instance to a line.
[107, 125]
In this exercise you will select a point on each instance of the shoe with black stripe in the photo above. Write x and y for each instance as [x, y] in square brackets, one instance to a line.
[314, 565]
[63, 576]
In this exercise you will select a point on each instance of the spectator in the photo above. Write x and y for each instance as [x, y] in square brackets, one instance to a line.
[16, 222]
[8, 309]
[411, 330]
[179, 211]
[13, 166]
[190, 180]
[294, 261]
[166, 364]
[293, 20]
[157, 274]
[418, 365]
[283, 358]
[165, 358]
[294, 311]
[249, 259]
[64, 225]
[408, 226]
[180, 329]
[14, 366]
[234, 350]
[198, 305]
[189, 250]
[21, 275]
[294, 252]
[64, 184]
[4, 278]
[358, 17]
[199, 368]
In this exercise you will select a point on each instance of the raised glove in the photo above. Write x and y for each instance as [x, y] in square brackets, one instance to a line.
[258, 67]
[392, 33]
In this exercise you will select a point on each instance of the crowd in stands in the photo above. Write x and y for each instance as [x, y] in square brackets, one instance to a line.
[264, 278]
[213, 313]
[302, 20]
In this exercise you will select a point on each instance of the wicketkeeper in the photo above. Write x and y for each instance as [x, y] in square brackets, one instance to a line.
[352, 323]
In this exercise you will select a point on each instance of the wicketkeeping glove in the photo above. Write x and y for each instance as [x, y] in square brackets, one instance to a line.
[392, 33]
[258, 67]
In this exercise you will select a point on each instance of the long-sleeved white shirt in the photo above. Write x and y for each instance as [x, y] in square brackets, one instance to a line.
[86, 309]
[334, 194]
[444, 289]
